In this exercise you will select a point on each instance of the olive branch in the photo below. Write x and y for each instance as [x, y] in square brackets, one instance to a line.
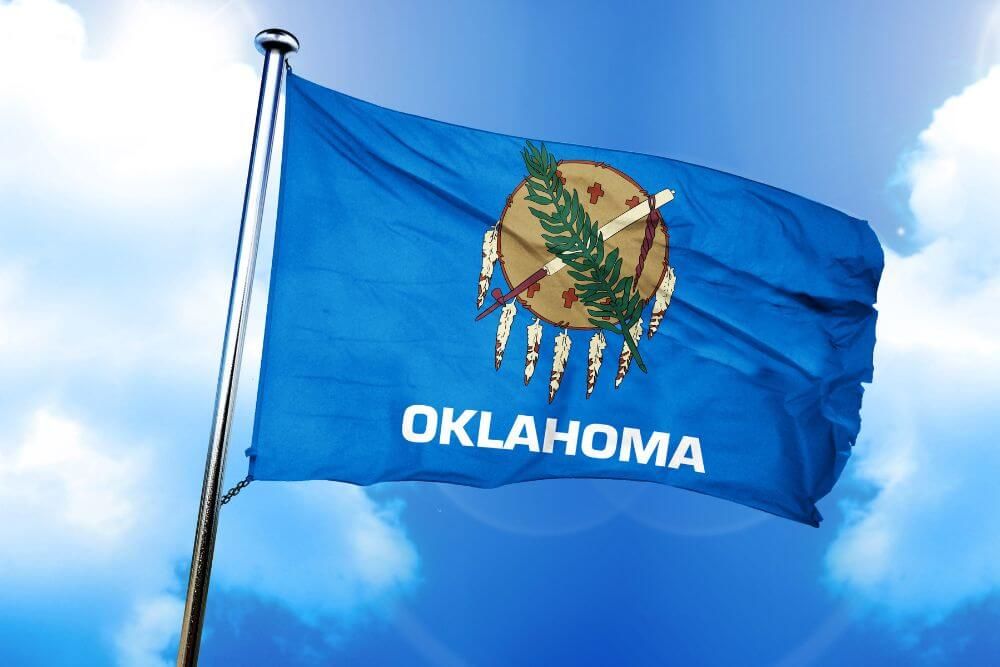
[574, 238]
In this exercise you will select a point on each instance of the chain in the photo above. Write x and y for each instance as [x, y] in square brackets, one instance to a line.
[233, 492]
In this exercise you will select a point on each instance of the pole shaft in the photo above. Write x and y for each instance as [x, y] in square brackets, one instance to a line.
[232, 352]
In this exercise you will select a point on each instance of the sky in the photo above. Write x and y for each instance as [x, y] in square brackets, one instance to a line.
[124, 137]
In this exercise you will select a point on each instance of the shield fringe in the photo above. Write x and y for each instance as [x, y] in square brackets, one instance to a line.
[559, 357]
[662, 300]
[503, 331]
[534, 343]
[595, 355]
[489, 260]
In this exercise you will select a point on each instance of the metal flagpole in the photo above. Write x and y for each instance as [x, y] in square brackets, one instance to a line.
[275, 45]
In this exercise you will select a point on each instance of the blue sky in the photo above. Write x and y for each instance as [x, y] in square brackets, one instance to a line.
[125, 129]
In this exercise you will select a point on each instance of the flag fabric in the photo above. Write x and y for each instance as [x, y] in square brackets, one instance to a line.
[454, 305]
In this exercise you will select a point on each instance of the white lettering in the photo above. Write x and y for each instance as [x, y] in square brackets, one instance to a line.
[410, 417]
[610, 441]
[421, 425]
[682, 457]
[450, 425]
[522, 433]
[569, 437]
[632, 441]
[484, 439]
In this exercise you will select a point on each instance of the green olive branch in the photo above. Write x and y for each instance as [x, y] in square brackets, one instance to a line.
[573, 237]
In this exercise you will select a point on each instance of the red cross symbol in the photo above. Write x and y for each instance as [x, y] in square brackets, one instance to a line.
[532, 289]
[569, 297]
[596, 192]
[562, 179]
[634, 201]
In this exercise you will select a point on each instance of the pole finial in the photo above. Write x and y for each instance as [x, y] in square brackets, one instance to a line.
[276, 38]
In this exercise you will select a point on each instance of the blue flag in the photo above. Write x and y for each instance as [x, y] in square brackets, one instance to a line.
[454, 305]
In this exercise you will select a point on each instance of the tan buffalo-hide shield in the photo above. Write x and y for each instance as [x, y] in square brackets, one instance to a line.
[605, 193]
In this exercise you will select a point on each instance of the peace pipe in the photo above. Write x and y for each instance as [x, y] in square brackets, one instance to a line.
[629, 217]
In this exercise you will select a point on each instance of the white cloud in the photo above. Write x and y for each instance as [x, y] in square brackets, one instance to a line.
[172, 332]
[85, 523]
[121, 172]
[928, 542]
[63, 490]
[357, 550]
[166, 326]
[20, 331]
[86, 516]
[153, 628]
[166, 107]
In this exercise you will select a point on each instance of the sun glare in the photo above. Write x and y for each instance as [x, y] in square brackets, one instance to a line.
[160, 34]
[989, 42]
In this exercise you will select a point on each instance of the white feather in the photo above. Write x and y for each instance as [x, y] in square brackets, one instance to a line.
[662, 300]
[595, 355]
[531, 356]
[489, 257]
[503, 331]
[559, 358]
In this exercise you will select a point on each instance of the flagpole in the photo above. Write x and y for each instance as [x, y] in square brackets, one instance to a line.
[275, 45]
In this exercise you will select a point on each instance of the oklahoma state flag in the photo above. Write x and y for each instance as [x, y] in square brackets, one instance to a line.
[454, 305]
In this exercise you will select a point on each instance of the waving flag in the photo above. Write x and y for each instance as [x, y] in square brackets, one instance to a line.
[695, 328]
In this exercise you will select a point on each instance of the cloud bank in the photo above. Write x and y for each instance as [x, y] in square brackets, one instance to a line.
[928, 542]
[121, 174]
